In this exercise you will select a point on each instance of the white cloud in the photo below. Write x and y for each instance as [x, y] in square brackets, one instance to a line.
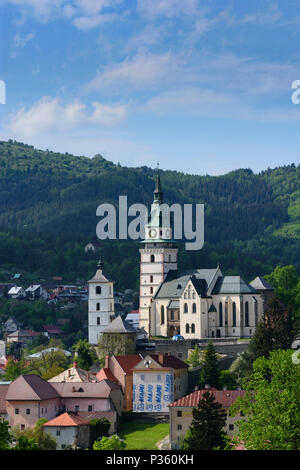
[168, 8]
[49, 114]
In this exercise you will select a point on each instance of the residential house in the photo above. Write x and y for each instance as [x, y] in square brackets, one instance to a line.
[17, 292]
[158, 379]
[69, 429]
[22, 336]
[119, 369]
[53, 331]
[180, 412]
[92, 400]
[36, 291]
[11, 325]
[42, 353]
[74, 374]
[30, 398]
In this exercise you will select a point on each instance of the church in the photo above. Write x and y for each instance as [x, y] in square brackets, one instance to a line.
[196, 304]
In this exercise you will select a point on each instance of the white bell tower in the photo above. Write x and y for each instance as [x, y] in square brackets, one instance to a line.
[157, 257]
[100, 305]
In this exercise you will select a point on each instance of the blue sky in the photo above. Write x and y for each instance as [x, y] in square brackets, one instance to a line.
[200, 86]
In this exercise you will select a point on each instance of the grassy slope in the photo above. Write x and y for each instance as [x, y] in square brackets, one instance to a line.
[143, 436]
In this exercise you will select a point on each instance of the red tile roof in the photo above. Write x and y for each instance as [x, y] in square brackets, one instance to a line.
[225, 397]
[85, 389]
[169, 361]
[67, 419]
[106, 374]
[128, 362]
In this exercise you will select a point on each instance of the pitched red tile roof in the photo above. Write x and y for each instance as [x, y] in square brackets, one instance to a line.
[30, 387]
[169, 361]
[106, 374]
[225, 397]
[128, 362]
[67, 419]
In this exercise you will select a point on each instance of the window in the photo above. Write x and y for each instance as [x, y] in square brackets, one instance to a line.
[247, 314]
[220, 314]
[187, 328]
[90, 407]
[179, 427]
[172, 315]
[58, 432]
[142, 377]
[16, 411]
[152, 259]
[151, 290]
[233, 314]
[98, 320]
[28, 411]
[185, 308]
[63, 446]
[42, 411]
[192, 328]
[162, 315]
[194, 308]
[179, 414]
[231, 427]
[98, 290]
[97, 306]
[151, 278]
[170, 258]
[158, 378]
[76, 408]
[22, 427]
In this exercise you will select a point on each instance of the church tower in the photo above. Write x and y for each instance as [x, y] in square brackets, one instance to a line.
[101, 304]
[157, 257]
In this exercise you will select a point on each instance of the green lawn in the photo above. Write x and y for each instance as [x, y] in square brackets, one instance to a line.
[143, 436]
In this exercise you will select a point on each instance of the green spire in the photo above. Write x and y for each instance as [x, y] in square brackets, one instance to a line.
[158, 194]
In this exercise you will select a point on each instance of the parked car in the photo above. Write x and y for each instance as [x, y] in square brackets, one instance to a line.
[178, 338]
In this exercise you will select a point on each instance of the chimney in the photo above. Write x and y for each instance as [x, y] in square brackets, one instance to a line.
[75, 364]
[106, 362]
[161, 358]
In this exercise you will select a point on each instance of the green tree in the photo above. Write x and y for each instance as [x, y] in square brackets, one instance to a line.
[206, 431]
[15, 368]
[109, 443]
[194, 359]
[98, 429]
[227, 380]
[210, 371]
[285, 279]
[274, 331]
[34, 438]
[5, 435]
[86, 355]
[25, 442]
[271, 404]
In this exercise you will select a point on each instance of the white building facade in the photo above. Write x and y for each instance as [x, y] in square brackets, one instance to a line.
[100, 304]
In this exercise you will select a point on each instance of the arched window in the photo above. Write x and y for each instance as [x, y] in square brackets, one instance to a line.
[194, 308]
[98, 320]
[247, 314]
[220, 314]
[185, 308]
[185, 295]
[162, 315]
[98, 306]
[187, 328]
[152, 258]
[233, 314]
[98, 290]
[151, 278]
[192, 328]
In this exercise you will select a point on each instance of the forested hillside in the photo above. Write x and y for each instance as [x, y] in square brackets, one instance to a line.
[48, 205]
